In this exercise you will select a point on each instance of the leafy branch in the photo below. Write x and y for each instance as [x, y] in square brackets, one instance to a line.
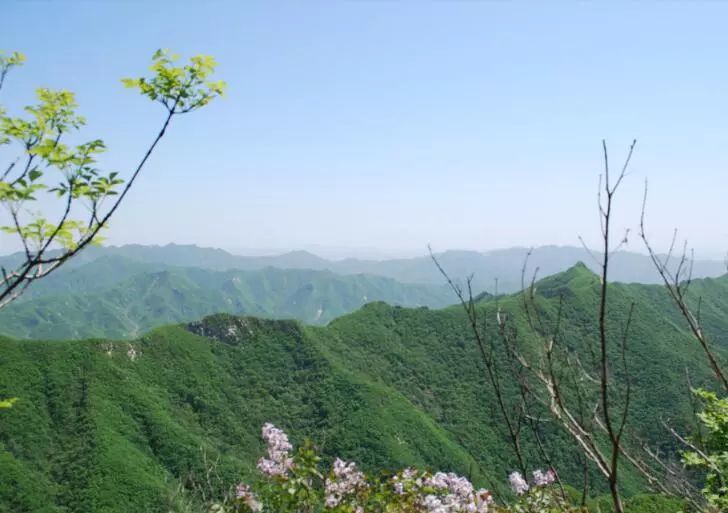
[86, 196]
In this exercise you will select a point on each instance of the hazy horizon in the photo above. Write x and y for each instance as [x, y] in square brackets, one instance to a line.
[379, 127]
[339, 253]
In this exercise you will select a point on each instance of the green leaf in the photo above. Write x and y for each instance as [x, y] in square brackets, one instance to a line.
[130, 82]
[8, 403]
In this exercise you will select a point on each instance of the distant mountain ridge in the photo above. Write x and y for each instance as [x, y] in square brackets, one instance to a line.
[504, 265]
[117, 297]
[121, 292]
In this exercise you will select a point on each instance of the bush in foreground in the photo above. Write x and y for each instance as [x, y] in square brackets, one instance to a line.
[293, 482]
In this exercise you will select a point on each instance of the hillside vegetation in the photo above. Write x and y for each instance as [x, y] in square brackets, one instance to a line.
[115, 426]
[117, 297]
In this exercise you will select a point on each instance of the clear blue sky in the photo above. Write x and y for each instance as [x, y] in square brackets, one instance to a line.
[393, 124]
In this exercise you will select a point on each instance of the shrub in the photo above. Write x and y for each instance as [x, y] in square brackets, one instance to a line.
[292, 482]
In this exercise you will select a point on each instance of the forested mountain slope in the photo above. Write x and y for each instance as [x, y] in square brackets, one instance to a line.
[114, 426]
[119, 297]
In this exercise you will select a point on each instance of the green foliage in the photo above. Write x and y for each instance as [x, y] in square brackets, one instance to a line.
[646, 503]
[86, 195]
[14, 59]
[7, 62]
[180, 89]
[8, 403]
[46, 159]
[54, 118]
[640, 503]
[711, 448]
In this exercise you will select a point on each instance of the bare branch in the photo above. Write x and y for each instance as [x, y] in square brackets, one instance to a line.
[677, 292]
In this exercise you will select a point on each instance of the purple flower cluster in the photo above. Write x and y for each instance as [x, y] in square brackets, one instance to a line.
[405, 480]
[345, 480]
[518, 483]
[279, 460]
[457, 495]
[348, 489]
[544, 478]
[540, 478]
[442, 492]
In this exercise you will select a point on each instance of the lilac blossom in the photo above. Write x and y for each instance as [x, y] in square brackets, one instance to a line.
[431, 493]
[345, 480]
[544, 478]
[404, 478]
[279, 461]
[457, 495]
[518, 483]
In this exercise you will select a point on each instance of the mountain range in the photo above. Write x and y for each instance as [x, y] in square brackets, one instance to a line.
[117, 297]
[120, 426]
[120, 292]
[505, 265]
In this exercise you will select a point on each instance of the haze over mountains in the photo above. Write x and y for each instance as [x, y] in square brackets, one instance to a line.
[503, 264]
[121, 292]
[117, 297]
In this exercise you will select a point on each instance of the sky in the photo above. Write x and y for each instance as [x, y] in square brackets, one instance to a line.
[381, 126]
